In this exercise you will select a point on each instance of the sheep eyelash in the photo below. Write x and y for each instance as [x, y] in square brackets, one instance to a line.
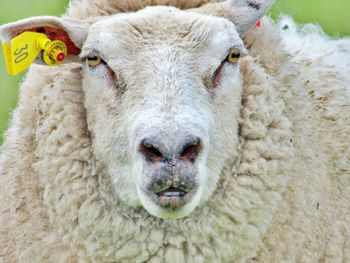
[216, 76]
[95, 60]
[90, 53]
[111, 75]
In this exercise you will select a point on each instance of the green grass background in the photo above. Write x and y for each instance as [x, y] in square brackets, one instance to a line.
[331, 15]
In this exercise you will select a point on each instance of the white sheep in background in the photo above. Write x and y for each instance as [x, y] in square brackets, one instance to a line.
[176, 141]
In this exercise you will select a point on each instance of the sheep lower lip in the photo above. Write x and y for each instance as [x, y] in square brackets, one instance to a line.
[171, 199]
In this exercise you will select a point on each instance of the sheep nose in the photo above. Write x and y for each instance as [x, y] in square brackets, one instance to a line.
[156, 150]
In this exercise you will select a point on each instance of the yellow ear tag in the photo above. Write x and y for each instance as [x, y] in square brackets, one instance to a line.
[25, 47]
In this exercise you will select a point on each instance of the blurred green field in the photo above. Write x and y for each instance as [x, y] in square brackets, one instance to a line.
[331, 15]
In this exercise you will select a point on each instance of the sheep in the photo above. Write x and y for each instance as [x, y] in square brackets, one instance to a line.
[179, 134]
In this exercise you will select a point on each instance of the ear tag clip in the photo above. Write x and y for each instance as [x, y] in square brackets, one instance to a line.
[25, 48]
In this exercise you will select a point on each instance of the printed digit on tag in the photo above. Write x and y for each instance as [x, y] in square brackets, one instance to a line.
[21, 54]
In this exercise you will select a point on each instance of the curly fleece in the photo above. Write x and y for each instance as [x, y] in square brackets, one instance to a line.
[287, 198]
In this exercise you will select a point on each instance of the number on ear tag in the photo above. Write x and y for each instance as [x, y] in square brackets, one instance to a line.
[24, 49]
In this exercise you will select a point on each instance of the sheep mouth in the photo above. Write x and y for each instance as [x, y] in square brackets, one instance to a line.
[172, 198]
[171, 192]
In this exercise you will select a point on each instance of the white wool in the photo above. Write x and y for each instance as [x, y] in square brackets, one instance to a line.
[286, 198]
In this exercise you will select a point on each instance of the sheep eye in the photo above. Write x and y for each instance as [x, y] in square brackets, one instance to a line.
[94, 61]
[233, 55]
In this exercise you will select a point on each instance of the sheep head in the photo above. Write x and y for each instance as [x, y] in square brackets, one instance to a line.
[163, 94]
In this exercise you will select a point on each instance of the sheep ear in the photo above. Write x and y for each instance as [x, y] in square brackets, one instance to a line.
[21, 41]
[243, 13]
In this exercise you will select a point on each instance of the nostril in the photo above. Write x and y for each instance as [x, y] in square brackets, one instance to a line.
[150, 152]
[191, 150]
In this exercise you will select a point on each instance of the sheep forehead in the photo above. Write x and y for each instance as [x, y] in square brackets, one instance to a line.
[160, 25]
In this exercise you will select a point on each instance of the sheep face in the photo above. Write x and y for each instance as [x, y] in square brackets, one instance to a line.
[163, 93]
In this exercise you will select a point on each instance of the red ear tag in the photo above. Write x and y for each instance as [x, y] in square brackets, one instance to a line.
[258, 24]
